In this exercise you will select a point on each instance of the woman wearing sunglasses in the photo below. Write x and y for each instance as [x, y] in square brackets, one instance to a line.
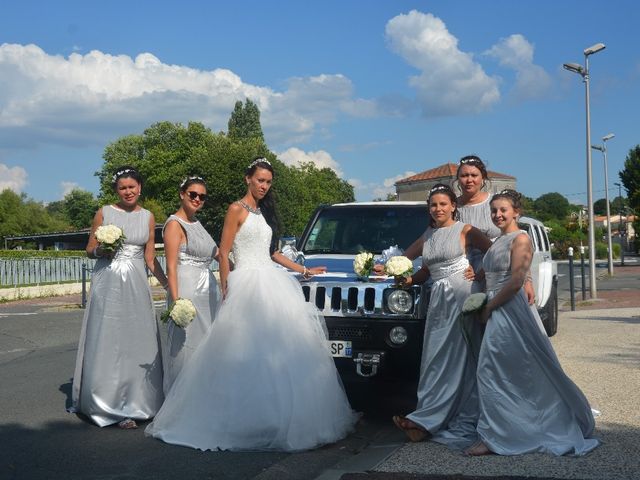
[189, 250]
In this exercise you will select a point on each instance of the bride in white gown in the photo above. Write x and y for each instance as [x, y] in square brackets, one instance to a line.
[262, 378]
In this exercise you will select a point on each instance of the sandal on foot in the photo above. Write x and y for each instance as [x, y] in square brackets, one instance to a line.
[413, 431]
[127, 424]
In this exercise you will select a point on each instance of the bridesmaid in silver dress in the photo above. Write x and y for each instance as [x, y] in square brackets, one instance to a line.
[118, 374]
[447, 398]
[527, 402]
[189, 250]
[473, 205]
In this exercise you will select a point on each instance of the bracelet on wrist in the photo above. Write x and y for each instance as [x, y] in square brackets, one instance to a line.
[95, 253]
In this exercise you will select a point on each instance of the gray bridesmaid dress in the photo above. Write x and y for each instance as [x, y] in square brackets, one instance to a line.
[197, 283]
[447, 396]
[527, 402]
[479, 215]
[118, 370]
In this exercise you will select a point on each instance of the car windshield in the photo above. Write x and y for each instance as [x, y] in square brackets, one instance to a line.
[351, 230]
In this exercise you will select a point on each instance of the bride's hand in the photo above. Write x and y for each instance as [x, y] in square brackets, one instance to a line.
[378, 269]
[310, 272]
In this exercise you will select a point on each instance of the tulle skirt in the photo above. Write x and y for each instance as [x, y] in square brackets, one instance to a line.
[262, 378]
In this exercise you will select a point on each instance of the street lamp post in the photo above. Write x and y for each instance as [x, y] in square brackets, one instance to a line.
[584, 73]
[603, 149]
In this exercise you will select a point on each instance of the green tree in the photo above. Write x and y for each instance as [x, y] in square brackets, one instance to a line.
[551, 206]
[630, 177]
[20, 215]
[79, 207]
[244, 122]
[600, 207]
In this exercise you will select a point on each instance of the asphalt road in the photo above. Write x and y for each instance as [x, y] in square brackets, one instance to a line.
[38, 439]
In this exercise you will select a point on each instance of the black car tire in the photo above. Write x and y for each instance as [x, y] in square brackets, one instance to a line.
[550, 312]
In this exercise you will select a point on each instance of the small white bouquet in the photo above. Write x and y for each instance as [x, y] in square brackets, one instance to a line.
[363, 264]
[181, 312]
[474, 303]
[471, 307]
[399, 266]
[110, 237]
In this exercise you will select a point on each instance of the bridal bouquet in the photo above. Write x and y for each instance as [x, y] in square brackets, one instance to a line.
[111, 238]
[363, 264]
[471, 307]
[181, 312]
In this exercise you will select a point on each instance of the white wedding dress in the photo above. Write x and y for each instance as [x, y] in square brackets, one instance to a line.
[262, 378]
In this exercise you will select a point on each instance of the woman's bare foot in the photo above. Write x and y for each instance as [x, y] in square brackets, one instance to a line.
[414, 431]
[127, 424]
[478, 449]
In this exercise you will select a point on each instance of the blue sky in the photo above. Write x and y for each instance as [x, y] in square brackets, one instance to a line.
[375, 90]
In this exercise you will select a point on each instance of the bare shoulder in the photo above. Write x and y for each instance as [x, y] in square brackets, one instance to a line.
[235, 209]
[522, 240]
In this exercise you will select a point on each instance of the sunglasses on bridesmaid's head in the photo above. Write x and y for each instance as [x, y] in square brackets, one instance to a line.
[202, 196]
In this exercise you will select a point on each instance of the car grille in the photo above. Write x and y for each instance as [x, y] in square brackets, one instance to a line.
[350, 333]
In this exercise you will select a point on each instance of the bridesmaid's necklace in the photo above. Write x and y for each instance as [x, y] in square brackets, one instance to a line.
[255, 211]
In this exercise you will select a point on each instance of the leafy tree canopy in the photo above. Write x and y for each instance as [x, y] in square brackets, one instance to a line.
[551, 206]
[244, 123]
[630, 177]
[167, 152]
[20, 215]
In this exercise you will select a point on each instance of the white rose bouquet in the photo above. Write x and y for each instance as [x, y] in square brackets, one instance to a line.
[181, 312]
[363, 264]
[474, 303]
[399, 266]
[110, 237]
[471, 307]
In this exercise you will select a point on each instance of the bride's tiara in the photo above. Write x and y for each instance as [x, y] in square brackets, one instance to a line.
[438, 188]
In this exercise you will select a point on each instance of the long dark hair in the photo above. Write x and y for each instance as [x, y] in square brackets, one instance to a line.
[445, 190]
[267, 204]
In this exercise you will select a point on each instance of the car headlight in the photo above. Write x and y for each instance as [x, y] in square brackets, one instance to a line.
[398, 335]
[399, 301]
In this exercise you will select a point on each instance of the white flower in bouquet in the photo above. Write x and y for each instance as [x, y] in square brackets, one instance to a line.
[110, 237]
[399, 266]
[363, 264]
[474, 303]
[181, 312]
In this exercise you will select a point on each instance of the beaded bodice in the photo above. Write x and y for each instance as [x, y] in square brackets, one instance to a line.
[251, 245]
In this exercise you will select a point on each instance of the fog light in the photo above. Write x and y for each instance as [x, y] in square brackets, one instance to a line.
[398, 335]
[400, 301]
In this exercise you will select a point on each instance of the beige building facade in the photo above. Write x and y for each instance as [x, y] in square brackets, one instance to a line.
[415, 188]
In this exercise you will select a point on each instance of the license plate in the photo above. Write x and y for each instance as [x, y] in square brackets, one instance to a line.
[339, 348]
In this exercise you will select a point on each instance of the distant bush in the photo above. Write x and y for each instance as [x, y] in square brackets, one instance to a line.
[18, 254]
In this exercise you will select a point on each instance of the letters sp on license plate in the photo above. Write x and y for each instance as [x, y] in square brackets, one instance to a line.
[339, 348]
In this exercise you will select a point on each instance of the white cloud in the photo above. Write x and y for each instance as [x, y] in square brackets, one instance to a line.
[516, 52]
[370, 191]
[13, 178]
[92, 98]
[320, 158]
[67, 187]
[450, 81]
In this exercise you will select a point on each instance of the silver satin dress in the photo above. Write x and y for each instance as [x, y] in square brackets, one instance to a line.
[118, 371]
[197, 283]
[527, 402]
[479, 215]
[447, 396]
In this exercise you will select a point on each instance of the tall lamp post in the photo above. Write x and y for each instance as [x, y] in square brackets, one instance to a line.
[584, 73]
[603, 149]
